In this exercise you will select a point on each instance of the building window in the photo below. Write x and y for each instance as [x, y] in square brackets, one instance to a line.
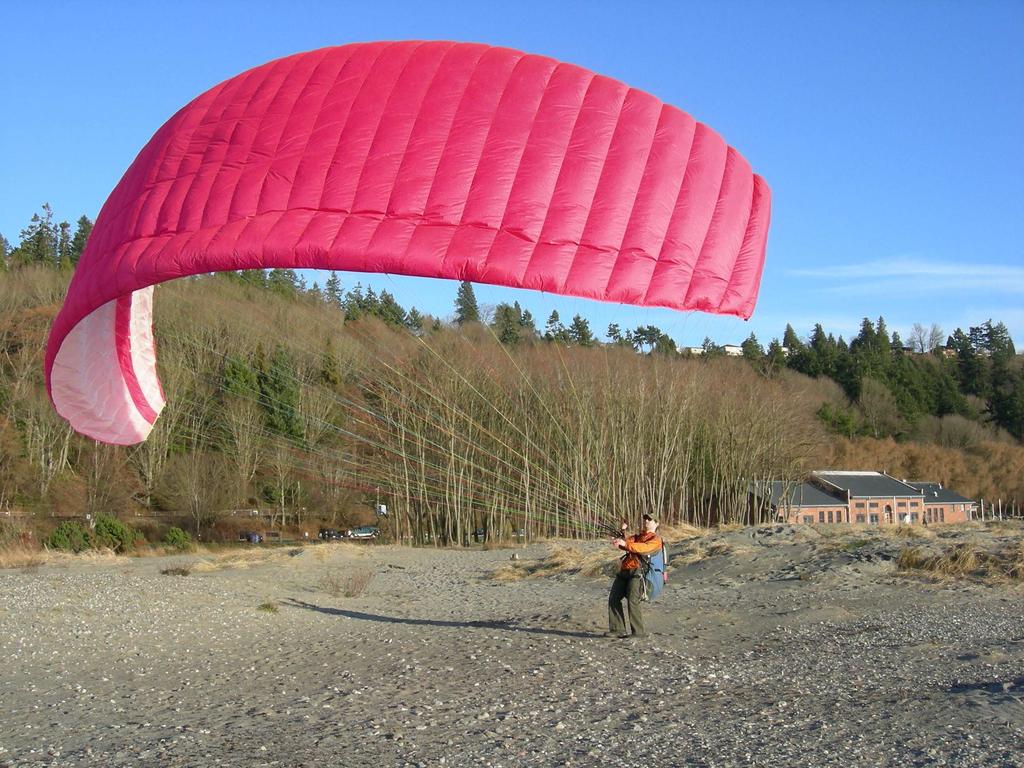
[821, 516]
[901, 503]
[942, 515]
[915, 504]
[860, 518]
[873, 505]
[808, 519]
[830, 516]
[839, 515]
[874, 519]
[859, 504]
[913, 517]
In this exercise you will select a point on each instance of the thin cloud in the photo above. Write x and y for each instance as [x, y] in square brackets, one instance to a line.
[920, 275]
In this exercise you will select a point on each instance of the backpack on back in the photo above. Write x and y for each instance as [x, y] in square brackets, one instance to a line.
[655, 571]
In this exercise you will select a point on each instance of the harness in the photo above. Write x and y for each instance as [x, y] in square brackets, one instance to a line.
[644, 571]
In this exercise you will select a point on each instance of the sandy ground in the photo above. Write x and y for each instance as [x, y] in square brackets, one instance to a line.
[779, 647]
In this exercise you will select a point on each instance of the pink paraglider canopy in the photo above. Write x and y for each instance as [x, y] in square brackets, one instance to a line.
[435, 159]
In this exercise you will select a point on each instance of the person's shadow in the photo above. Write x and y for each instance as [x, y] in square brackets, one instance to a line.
[507, 626]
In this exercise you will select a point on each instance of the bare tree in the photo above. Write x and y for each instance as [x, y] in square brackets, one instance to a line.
[246, 441]
[919, 338]
[47, 441]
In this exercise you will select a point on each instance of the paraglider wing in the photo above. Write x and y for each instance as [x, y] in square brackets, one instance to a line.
[435, 159]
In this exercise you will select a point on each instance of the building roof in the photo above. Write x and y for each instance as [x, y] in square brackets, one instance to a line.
[866, 484]
[934, 492]
[804, 495]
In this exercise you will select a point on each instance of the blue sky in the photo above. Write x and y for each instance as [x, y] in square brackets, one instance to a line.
[890, 132]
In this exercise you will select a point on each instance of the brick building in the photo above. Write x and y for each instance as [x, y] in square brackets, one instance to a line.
[942, 505]
[869, 498]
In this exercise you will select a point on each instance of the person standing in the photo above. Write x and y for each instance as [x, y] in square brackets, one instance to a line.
[628, 582]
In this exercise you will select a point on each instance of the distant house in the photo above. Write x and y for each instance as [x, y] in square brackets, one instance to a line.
[871, 498]
[942, 505]
[733, 350]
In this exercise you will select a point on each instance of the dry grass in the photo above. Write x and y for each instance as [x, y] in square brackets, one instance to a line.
[330, 548]
[965, 561]
[21, 556]
[681, 532]
[561, 559]
[348, 584]
[906, 532]
[246, 558]
[726, 527]
[270, 606]
[701, 550]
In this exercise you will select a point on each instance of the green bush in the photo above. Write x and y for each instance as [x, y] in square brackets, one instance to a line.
[70, 536]
[111, 532]
[177, 538]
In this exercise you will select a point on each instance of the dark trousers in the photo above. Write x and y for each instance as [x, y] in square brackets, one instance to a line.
[627, 585]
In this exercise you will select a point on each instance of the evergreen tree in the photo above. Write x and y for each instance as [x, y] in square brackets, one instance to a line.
[283, 281]
[39, 240]
[579, 332]
[972, 370]
[1008, 404]
[665, 344]
[710, 349]
[279, 394]
[466, 310]
[332, 290]
[790, 340]
[330, 374]
[554, 330]
[389, 310]
[803, 357]
[527, 323]
[5, 252]
[80, 238]
[353, 303]
[414, 320]
[240, 378]
[614, 333]
[752, 349]
[775, 358]
[998, 342]
[64, 246]
[507, 324]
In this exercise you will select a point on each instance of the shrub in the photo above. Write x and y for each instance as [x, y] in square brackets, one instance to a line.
[181, 570]
[349, 584]
[111, 532]
[177, 538]
[70, 536]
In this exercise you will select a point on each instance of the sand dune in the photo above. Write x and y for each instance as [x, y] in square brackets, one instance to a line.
[774, 646]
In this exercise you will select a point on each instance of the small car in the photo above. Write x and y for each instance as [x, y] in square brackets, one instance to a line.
[250, 536]
[328, 534]
[364, 532]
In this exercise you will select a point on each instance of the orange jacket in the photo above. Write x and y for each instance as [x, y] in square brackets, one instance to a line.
[641, 544]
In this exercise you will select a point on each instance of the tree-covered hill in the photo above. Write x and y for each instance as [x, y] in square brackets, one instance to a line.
[314, 403]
